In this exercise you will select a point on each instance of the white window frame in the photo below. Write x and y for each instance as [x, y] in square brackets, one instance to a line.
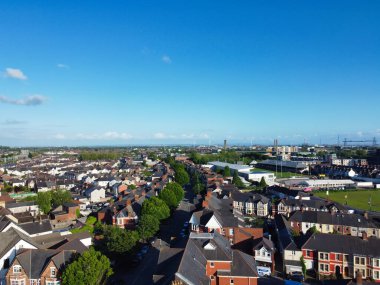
[18, 267]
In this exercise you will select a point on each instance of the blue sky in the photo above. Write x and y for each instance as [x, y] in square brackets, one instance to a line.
[162, 72]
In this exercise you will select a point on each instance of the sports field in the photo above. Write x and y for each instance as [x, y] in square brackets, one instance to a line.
[356, 198]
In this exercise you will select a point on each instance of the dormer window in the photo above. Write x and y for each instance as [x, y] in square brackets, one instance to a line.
[17, 269]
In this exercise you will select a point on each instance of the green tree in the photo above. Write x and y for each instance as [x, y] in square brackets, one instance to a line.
[236, 180]
[177, 190]
[77, 213]
[132, 187]
[44, 201]
[313, 230]
[156, 207]
[148, 226]
[91, 268]
[227, 171]
[263, 183]
[118, 240]
[303, 266]
[169, 198]
[59, 197]
[182, 177]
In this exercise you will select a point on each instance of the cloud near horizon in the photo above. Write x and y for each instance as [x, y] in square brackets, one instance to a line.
[15, 73]
[32, 100]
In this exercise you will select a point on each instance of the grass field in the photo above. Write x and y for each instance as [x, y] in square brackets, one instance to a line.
[355, 198]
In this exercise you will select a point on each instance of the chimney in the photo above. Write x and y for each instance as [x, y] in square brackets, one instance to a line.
[129, 202]
[136, 197]
[364, 235]
[359, 278]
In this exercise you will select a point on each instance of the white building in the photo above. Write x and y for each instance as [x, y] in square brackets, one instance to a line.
[258, 175]
[327, 183]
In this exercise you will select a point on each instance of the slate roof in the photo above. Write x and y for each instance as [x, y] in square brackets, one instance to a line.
[192, 269]
[352, 220]
[344, 244]
[238, 196]
[36, 227]
[34, 261]
[10, 238]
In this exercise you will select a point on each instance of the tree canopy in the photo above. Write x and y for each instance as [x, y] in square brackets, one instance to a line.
[44, 201]
[227, 171]
[148, 226]
[263, 183]
[237, 181]
[156, 207]
[91, 268]
[60, 197]
[169, 198]
[182, 177]
[177, 190]
[118, 240]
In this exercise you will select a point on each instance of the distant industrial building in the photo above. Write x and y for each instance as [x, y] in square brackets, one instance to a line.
[284, 165]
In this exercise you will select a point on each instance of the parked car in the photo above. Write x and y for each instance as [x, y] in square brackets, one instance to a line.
[263, 271]
[296, 276]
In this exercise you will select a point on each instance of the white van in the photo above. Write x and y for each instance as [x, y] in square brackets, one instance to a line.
[263, 271]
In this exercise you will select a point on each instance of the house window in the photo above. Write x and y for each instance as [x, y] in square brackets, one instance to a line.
[337, 257]
[345, 258]
[35, 282]
[212, 277]
[321, 267]
[17, 269]
[377, 263]
[18, 282]
[357, 260]
[376, 275]
[52, 272]
[326, 267]
[308, 253]
[211, 264]
[321, 255]
[231, 282]
[362, 261]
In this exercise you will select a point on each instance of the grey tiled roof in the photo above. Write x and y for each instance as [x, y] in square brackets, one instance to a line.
[343, 243]
[10, 238]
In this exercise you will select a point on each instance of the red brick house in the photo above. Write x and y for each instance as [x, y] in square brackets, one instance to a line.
[38, 267]
[209, 259]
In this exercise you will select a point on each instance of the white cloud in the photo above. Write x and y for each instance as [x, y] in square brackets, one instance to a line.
[104, 136]
[63, 66]
[359, 133]
[160, 136]
[59, 136]
[15, 73]
[31, 100]
[166, 59]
